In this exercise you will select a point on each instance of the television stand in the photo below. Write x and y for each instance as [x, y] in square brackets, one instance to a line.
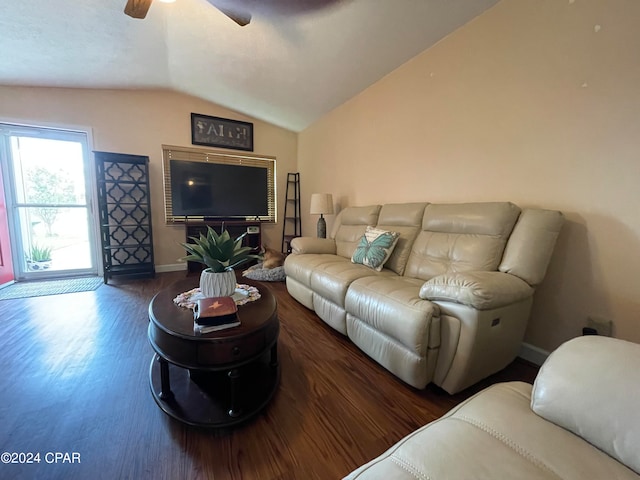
[253, 239]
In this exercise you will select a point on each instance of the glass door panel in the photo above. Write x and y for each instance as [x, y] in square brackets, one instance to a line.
[56, 239]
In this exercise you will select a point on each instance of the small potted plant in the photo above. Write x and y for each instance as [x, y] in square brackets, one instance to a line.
[221, 254]
[39, 258]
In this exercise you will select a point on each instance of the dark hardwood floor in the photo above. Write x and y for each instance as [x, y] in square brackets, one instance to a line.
[75, 380]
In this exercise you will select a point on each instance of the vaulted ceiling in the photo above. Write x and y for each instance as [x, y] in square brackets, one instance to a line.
[288, 66]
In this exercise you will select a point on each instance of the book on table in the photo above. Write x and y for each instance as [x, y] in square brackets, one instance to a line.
[215, 313]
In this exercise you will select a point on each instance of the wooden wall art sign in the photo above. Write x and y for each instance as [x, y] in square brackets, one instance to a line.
[221, 132]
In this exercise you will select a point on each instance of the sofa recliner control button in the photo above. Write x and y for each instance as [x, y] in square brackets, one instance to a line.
[235, 350]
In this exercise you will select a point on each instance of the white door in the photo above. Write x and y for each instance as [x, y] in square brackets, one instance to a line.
[49, 190]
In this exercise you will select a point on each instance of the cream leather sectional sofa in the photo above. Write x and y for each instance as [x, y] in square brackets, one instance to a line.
[578, 421]
[452, 302]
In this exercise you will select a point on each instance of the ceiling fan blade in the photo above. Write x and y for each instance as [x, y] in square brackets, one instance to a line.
[137, 8]
[241, 18]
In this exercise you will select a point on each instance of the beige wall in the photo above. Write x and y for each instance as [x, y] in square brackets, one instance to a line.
[535, 102]
[139, 122]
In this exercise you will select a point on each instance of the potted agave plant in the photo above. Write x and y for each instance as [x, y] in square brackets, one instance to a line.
[221, 254]
[39, 258]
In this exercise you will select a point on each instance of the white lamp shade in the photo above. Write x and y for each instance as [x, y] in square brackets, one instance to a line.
[321, 203]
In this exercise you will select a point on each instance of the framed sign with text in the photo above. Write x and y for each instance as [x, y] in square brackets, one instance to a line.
[221, 132]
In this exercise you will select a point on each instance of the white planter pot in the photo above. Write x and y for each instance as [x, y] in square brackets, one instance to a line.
[38, 265]
[221, 284]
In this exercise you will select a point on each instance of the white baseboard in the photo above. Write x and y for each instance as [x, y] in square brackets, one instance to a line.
[172, 267]
[533, 354]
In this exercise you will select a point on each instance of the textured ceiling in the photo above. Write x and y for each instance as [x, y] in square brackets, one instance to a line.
[287, 69]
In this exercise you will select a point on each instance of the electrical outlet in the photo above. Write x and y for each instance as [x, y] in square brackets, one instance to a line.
[601, 325]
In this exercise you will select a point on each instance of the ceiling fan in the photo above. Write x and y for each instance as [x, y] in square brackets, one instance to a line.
[240, 10]
[139, 9]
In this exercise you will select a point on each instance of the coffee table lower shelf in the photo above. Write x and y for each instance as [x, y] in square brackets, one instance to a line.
[215, 399]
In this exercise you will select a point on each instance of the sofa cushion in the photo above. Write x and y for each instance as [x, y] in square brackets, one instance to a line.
[375, 247]
[406, 219]
[350, 225]
[392, 305]
[493, 435]
[461, 238]
[331, 280]
[591, 386]
[301, 267]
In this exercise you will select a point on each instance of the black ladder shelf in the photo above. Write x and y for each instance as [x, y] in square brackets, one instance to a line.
[292, 224]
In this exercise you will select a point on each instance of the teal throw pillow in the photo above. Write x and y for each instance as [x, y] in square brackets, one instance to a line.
[375, 248]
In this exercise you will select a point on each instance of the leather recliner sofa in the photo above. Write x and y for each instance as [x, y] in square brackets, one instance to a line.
[452, 301]
[579, 420]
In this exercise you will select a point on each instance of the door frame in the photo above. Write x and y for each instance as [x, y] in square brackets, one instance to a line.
[7, 275]
[91, 193]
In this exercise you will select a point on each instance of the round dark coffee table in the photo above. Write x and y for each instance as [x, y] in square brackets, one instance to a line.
[216, 379]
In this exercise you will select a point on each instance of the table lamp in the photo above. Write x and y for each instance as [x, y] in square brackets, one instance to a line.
[321, 203]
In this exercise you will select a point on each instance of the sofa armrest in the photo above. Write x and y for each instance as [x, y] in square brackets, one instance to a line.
[591, 386]
[313, 245]
[480, 290]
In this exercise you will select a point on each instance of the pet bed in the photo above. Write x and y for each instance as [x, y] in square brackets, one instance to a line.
[256, 272]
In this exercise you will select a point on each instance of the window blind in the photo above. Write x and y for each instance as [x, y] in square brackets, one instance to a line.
[191, 154]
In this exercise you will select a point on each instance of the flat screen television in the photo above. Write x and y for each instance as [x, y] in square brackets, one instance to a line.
[218, 190]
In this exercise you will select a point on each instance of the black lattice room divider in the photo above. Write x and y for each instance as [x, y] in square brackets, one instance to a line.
[125, 215]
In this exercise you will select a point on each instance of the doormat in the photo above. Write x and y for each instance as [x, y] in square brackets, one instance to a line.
[50, 287]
